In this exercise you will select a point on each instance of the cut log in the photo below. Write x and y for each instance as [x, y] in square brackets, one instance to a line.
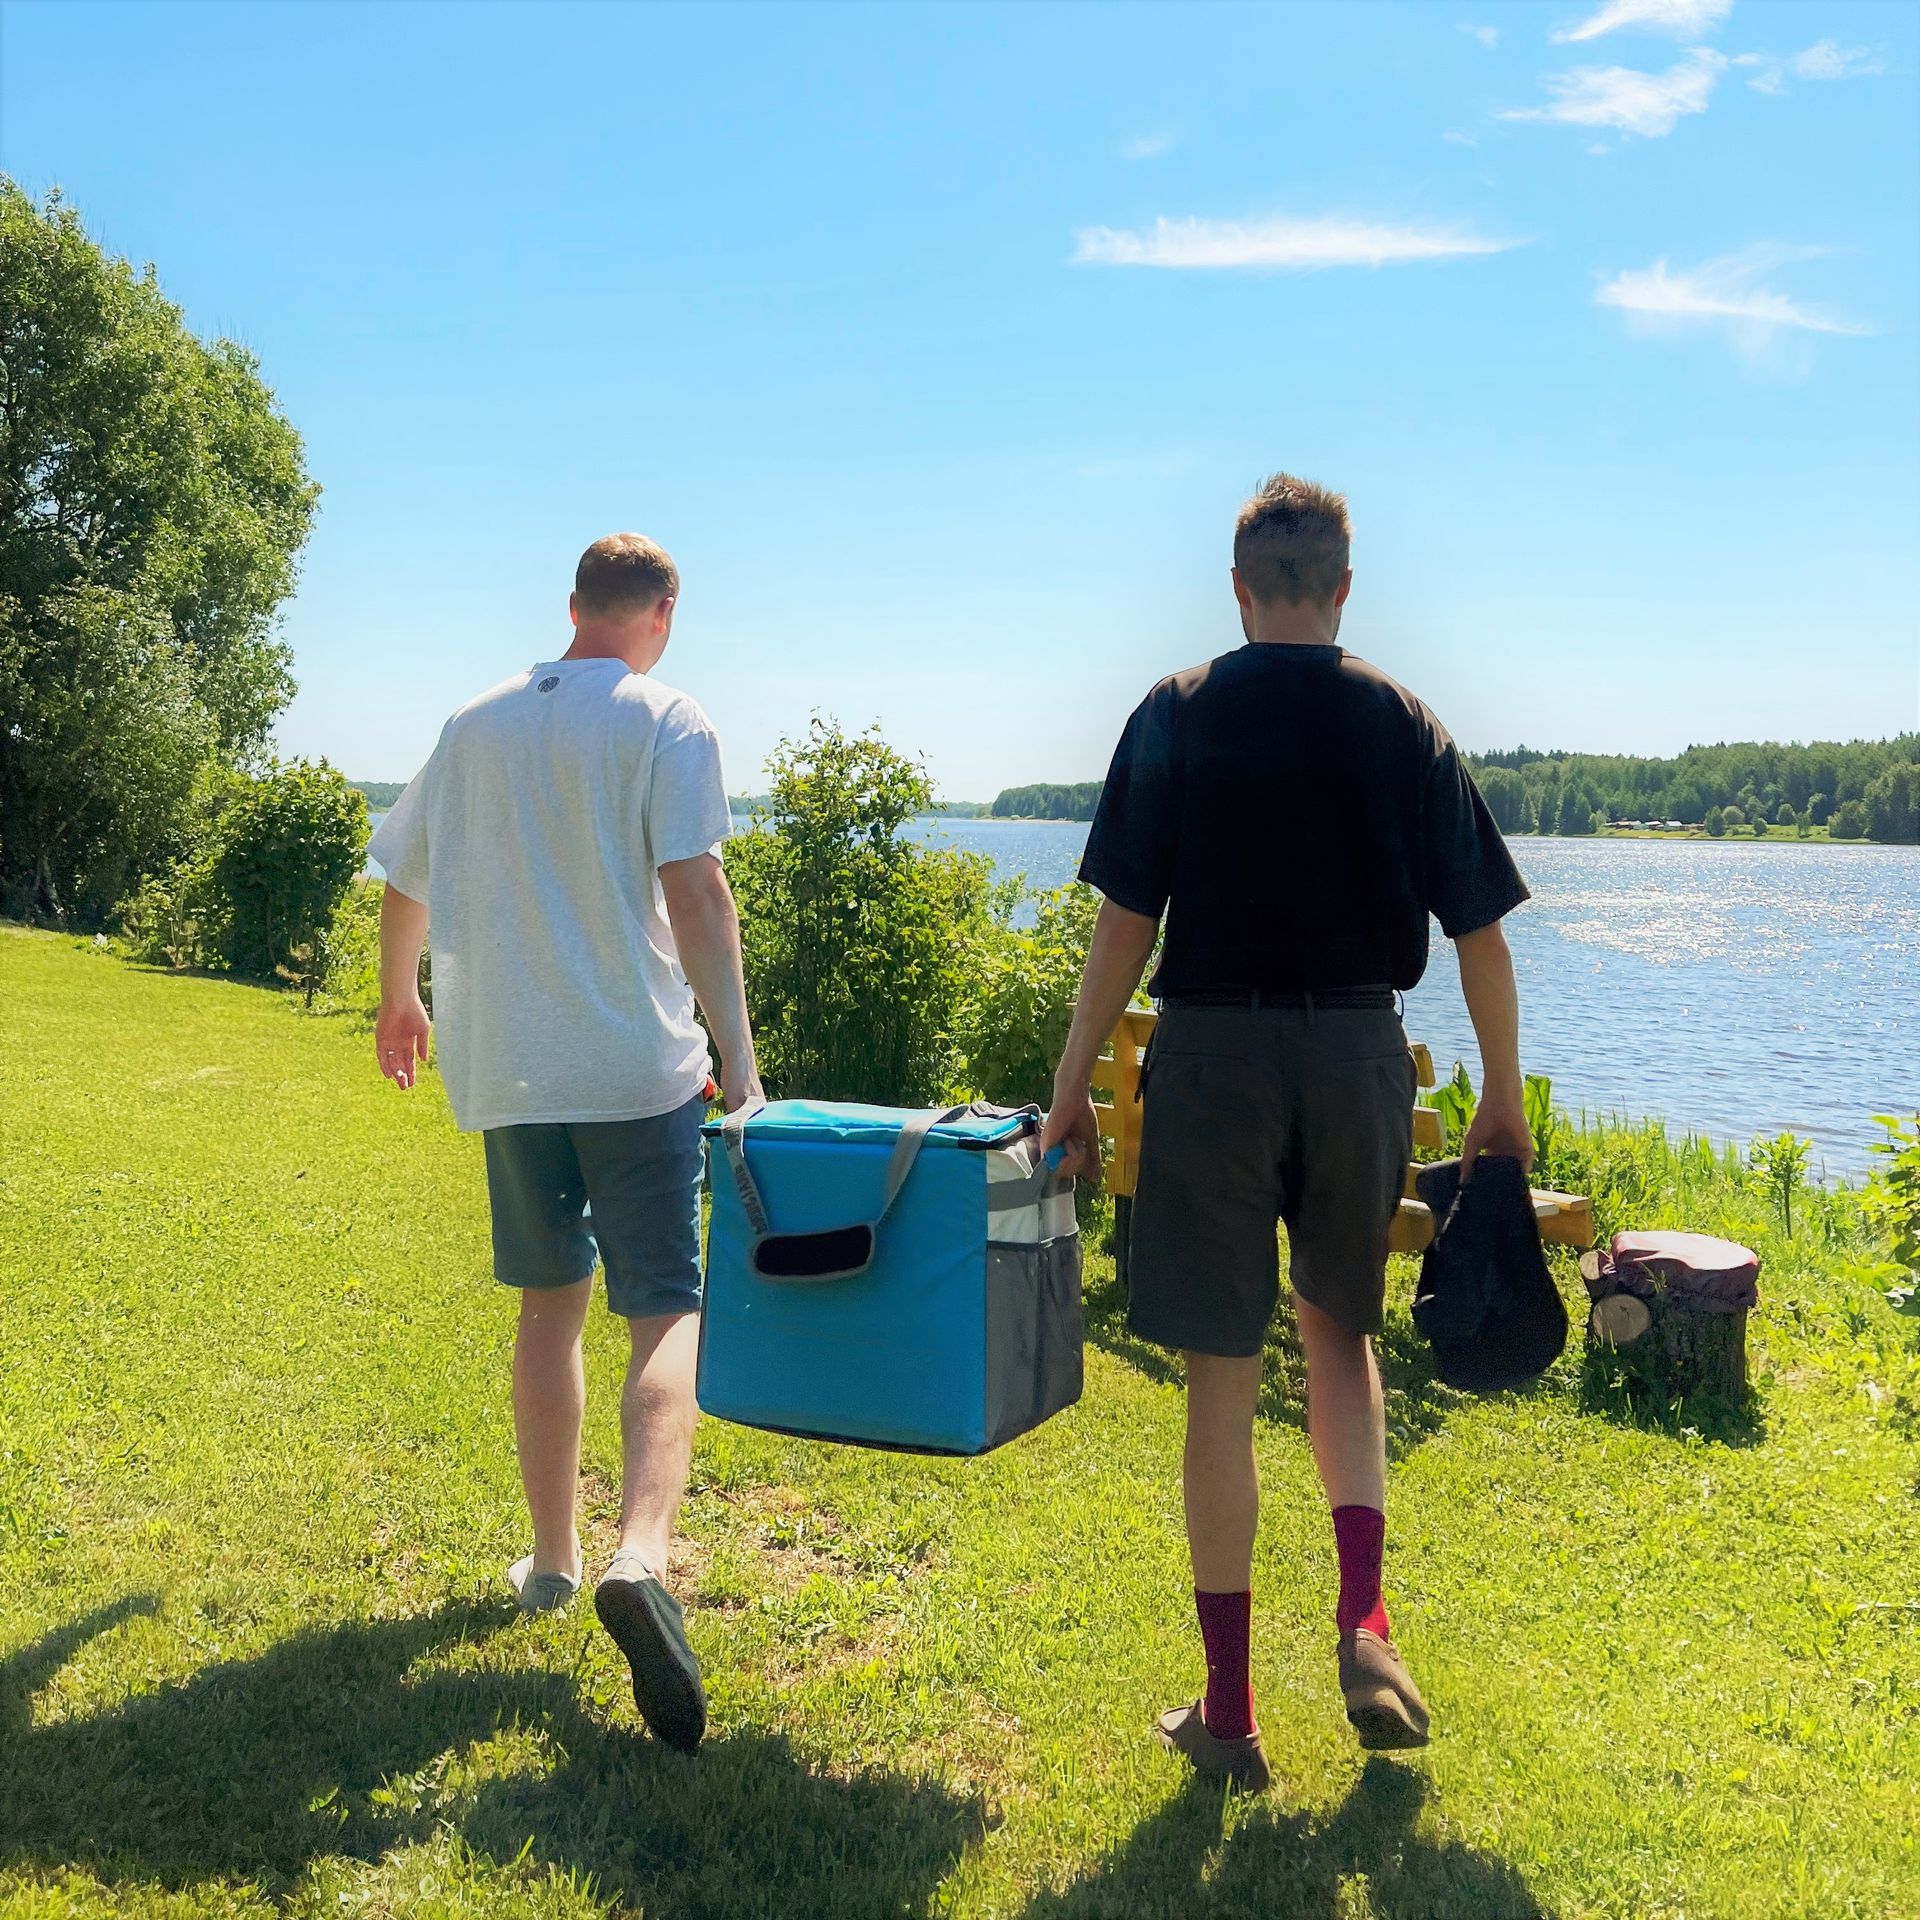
[1675, 1306]
[1618, 1320]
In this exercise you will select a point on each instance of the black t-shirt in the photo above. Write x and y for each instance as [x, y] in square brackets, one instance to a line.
[1298, 815]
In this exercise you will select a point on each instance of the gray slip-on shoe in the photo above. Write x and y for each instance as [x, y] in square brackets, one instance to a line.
[648, 1627]
[540, 1592]
[1241, 1763]
[1382, 1701]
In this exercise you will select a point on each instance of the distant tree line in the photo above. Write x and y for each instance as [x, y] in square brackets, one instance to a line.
[1046, 802]
[1856, 789]
[381, 794]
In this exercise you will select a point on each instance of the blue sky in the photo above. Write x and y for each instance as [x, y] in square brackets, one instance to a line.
[941, 344]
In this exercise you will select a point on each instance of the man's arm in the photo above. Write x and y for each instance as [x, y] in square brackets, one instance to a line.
[1486, 979]
[706, 929]
[401, 1028]
[1122, 942]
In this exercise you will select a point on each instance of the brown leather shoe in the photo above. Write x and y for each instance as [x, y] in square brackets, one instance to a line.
[1382, 1701]
[1242, 1763]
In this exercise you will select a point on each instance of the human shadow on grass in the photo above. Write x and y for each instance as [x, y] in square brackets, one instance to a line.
[351, 1740]
[1296, 1866]
[1417, 1405]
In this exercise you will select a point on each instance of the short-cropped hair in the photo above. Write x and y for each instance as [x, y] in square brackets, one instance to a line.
[1291, 542]
[624, 573]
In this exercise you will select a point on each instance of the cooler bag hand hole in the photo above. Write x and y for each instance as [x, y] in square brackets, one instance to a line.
[837, 1254]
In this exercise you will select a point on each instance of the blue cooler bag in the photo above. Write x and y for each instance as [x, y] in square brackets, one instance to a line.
[896, 1278]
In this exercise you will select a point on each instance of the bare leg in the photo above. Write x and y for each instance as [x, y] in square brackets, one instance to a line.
[549, 1400]
[656, 1427]
[1222, 1484]
[1346, 1420]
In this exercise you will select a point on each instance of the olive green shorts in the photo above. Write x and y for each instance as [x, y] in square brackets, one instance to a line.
[1256, 1116]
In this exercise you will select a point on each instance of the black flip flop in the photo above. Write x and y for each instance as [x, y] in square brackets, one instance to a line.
[646, 1624]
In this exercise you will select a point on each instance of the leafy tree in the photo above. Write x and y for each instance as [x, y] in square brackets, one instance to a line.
[1505, 792]
[1893, 804]
[1818, 808]
[1576, 813]
[1733, 817]
[152, 504]
[1716, 822]
[1784, 815]
[858, 943]
[1848, 821]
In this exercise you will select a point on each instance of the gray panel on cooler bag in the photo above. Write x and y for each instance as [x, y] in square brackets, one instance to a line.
[1034, 1334]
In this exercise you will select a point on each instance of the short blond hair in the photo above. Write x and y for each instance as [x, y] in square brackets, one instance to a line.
[1292, 542]
[624, 573]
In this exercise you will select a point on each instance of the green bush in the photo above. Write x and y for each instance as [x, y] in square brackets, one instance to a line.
[857, 943]
[270, 863]
[1732, 817]
[1023, 986]
[288, 848]
[1717, 822]
[1848, 821]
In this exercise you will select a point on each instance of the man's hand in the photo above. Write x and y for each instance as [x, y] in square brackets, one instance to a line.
[1499, 1125]
[740, 1087]
[1073, 1126]
[400, 1033]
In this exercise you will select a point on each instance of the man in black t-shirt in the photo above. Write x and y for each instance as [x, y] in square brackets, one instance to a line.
[1297, 817]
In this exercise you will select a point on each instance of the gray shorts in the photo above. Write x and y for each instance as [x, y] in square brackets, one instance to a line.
[1255, 1116]
[623, 1192]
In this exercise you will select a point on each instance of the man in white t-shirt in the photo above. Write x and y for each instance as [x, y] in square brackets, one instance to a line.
[564, 843]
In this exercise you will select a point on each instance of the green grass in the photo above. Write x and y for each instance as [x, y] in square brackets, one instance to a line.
[257, 1483]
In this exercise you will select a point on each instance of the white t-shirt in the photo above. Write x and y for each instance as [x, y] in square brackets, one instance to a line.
[535, 834]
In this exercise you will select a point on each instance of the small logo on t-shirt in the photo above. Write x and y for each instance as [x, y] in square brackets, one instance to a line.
[548, 684]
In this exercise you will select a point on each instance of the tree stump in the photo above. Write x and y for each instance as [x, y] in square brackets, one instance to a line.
[1674, 1306]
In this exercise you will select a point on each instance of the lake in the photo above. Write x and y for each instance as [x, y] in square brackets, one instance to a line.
[1734, 988]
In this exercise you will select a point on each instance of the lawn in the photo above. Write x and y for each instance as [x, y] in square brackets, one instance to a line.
[257, 1486]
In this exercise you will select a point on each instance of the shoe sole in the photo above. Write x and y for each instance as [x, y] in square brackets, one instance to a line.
[1384, 1724]
[666, 1678]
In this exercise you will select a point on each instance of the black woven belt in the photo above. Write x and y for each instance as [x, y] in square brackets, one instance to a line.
[1369, 999]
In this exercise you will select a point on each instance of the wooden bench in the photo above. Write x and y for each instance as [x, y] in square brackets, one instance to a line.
[1565, 1218]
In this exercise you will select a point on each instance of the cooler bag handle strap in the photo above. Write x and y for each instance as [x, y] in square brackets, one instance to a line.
[906, 1150]
[733, 1136]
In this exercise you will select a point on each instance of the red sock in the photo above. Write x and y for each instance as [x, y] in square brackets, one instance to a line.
[1360, 1534]
[1226, 1626]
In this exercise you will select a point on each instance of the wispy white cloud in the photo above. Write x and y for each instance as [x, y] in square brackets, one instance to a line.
[1824, 60]
[1460, 139]
[1146, 146]
[1828, 60]
[1683, 19]
[1723, 293]
[1487, 36]
[1647, 104]
[1329, 240]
